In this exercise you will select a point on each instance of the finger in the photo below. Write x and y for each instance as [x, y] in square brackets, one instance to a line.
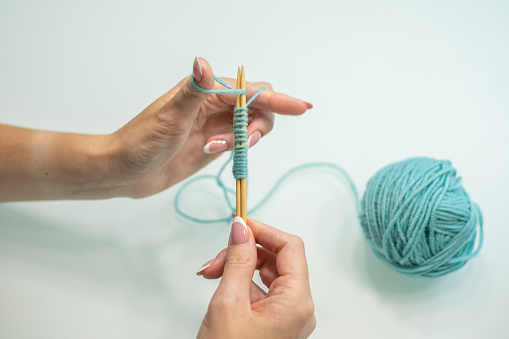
[269, 100]
[261, 124]
[280, 103]
[310, 326]
[187, 101]
[265, 263]
[257, 293]
[240, 263]
[291, 258]
[213, 268]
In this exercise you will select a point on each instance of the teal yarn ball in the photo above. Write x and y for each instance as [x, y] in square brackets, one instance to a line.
[418, 218]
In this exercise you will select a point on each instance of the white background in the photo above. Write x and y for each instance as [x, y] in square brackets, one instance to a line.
[388, 80]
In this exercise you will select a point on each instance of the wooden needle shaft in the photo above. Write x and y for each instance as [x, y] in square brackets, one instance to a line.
[243, 184]
[239, 187]
[241, 193]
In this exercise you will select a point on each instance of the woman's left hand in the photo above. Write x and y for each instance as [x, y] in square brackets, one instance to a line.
[185, 129]
[171, 139]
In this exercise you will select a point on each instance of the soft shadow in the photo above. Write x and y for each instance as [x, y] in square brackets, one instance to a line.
[152, 264]
[33, 240]
[405, 290]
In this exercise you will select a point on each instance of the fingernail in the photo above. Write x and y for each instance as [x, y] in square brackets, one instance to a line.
[204, 267]
[309, 105]
[197, 72]
[239, 233]
[254, 138]
[215, 146]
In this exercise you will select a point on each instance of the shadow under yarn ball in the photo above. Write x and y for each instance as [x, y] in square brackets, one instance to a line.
[419, 219]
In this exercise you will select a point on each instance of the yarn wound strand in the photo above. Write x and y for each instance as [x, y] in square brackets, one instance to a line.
[240, 122]
[419, 219]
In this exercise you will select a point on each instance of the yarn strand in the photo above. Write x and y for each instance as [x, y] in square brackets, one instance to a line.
[240, 122]
[228, 192]
[415, 214]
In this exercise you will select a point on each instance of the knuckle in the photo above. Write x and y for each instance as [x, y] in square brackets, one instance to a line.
[297, 241]
[270, 125]
[277, 314]
[222, 302]
[218, 306]
[267, 85]
[306, 312]
[187, 93]
[171, 124]
[239, 260]
[267, 122]
[310, 308]
[312, 325]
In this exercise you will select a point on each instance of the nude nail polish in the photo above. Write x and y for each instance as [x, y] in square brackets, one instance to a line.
[205, 266]
[239, 233]
[197, 71]
[309, 105]
[215, 146]
[254, 138]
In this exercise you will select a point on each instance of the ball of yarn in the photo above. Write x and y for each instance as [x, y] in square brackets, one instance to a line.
[418, 218]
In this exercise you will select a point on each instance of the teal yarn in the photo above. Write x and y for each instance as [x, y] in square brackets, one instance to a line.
[418, 218]
[229, 194]
[229, 89]
[240, 147]
[415, 214]
[240, 122]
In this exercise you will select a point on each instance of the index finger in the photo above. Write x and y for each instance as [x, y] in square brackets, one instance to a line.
[291, 257]
[269, 100]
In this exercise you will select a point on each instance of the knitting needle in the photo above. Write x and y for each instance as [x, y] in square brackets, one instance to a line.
[239, 186]
[243, 185]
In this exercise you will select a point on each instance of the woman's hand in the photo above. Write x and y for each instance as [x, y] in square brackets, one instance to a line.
[184, 130]
[241, 309]
[171, 139]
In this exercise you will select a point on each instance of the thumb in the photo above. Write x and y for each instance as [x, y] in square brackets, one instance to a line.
[240, 263]
[188, 99]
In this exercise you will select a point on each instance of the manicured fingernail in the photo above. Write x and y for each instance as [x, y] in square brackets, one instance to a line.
[309, 105]
[239, 233]
[215, 146]
[204, 267]
[197, 72]
[254, 138]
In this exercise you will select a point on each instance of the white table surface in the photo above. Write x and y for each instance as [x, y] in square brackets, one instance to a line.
[388, 81]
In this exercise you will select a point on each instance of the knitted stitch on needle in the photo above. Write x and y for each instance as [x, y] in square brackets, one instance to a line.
[240, 121]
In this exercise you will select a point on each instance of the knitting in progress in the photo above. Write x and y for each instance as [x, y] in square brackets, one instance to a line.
[415, 214]
[240, 120]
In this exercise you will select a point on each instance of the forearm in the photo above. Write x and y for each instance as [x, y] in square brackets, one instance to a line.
[43, 165]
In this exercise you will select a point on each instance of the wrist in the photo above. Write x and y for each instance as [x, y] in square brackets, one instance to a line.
[106, 177]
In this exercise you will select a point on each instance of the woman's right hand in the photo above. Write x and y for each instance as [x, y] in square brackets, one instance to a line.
[241, 309]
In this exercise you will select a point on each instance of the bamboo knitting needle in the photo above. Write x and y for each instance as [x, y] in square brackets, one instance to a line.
[243, 185]
[238, 192]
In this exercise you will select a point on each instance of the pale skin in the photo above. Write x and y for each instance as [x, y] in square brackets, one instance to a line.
[239, 307]
[158, 148]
